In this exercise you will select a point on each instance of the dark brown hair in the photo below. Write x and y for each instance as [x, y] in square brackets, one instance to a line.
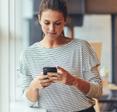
[57, 5]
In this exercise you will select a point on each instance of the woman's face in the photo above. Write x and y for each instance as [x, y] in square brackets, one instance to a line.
[52, 23]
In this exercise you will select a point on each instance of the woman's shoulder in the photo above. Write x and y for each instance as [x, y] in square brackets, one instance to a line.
[81, 42]
[29, 49]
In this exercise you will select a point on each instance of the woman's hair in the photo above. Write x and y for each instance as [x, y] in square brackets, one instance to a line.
[57, 5]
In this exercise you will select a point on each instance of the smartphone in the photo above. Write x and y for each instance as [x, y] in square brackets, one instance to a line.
[49, 69]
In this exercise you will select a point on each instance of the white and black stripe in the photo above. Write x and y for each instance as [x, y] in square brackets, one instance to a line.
[78, 58]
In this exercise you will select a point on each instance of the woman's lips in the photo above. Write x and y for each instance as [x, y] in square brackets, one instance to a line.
[51, 33]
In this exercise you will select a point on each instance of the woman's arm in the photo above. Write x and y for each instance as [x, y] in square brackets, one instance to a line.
[32, 92]
[92, 87]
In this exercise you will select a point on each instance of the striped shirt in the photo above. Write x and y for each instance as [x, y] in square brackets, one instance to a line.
[78, 58]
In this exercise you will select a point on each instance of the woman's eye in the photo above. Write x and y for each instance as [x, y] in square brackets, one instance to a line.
[58, 23]
[47, 23]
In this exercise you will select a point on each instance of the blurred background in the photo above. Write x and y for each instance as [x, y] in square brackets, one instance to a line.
[92, 20]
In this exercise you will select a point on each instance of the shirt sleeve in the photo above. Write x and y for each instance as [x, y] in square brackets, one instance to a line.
[95, 83]
[89, 57]
[90, 70]
[24, 78]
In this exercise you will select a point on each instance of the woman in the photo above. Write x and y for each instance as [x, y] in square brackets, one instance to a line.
[77, 80]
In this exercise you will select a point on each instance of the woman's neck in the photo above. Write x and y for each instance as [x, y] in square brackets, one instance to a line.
[53, 43]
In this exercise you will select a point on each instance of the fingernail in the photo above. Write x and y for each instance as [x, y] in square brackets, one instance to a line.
[57, 67]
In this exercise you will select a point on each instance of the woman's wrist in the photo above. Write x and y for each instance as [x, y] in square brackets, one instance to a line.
[82, 85]
[71, 80]
[33, 88]
[32, 94]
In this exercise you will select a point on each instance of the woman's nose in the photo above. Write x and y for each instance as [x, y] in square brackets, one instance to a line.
[52, 27]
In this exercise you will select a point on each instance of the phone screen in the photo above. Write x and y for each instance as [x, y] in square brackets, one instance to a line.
[49, 69]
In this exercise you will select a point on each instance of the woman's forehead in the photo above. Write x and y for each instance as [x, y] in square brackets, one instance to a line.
[52, 14]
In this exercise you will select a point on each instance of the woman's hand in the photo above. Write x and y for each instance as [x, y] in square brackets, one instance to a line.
[64, 76]
[67, 78]
[40, 82]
